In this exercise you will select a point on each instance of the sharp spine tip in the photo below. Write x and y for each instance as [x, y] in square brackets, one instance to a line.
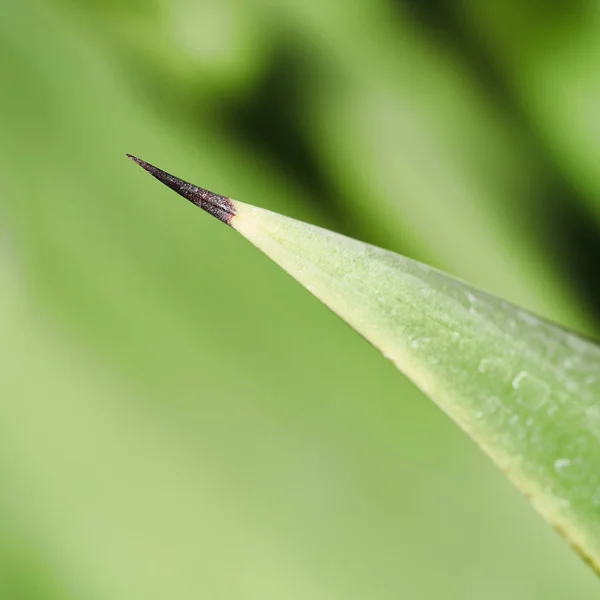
[218, 206]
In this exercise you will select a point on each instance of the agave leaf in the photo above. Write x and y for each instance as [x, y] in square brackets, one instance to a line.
[526, 390]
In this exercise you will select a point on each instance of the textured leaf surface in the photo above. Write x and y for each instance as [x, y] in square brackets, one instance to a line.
[525, 390]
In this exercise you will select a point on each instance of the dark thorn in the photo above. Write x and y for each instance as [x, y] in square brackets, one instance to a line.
[218, 206]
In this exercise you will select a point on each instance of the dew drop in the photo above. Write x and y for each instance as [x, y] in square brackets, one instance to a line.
[530, 391]
[562, 465]
[418, 342]
[570, 469]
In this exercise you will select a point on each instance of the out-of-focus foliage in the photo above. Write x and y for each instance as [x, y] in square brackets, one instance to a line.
[178, 419]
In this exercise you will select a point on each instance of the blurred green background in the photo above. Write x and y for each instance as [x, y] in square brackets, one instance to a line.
[178, 418]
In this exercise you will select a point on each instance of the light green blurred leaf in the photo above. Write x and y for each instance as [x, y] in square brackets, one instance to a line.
[524, 389]
[431, 169]
[550, 54]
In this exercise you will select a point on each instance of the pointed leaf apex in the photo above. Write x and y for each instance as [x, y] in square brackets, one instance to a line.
[218, 206]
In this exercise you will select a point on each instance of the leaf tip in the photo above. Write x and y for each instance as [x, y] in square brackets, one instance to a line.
[218, 206]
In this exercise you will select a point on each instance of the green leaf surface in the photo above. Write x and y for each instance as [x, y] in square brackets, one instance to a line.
[524, 389]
